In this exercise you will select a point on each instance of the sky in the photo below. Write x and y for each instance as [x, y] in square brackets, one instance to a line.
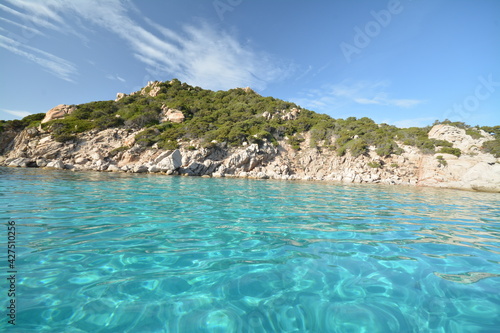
[400, 62]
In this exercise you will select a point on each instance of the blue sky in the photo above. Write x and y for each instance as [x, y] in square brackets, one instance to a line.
[402, 62]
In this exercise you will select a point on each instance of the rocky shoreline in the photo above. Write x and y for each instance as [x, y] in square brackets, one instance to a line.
[116, 150]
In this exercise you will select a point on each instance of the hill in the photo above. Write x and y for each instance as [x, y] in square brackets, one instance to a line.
[214, 127]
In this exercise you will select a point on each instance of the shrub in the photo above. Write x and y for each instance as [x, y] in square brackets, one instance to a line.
[234, 117]
[64, 137]
[108, 122]
[115, 151]
[357, 147]
[33, 120]
[147, 137]
[442, 143]
[474, 133]
[441, 160]
[492, 147]
[387, 148]
[66, 129]
[374, 164]
[168, 144]
[295, 141]
[141, 120]
[448, 150]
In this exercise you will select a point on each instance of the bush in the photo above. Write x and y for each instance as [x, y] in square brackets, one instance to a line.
[388, 148]
[115, 151]
[66, 129]
[295, 141]
[234, 116]
[147, 138]
[64, 137]
[108, 122]
[33, 120]
[168, 145]
[357, 147]
[454, 151]
[374, 164]
[492, 147]
[441, 160]
[474, 133]
[141, 120]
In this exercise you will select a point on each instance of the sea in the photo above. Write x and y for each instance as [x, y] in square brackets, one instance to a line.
[120, 252]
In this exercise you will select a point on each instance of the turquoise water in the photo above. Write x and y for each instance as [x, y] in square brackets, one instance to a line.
[101, 252]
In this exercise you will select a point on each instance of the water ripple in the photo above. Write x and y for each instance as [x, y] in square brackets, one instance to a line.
[136, 253]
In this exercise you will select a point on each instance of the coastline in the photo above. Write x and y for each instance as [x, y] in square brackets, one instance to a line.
[115, 150]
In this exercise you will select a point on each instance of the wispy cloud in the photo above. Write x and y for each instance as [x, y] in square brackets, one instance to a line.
[332, 97]
[49, 62]
[32, 15]
[17, 113]
[199, 53]
[115, 78]
[25, 28]
[383, 99]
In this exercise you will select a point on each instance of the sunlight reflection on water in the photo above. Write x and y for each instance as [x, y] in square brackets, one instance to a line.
[121, 252]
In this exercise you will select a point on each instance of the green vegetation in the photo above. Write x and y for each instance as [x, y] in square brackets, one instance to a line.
[441, 160]
[474, 133]
[375, 165]
[235, 117]
[32, 120]
[115, 151]
[449, 150]
[492, 147]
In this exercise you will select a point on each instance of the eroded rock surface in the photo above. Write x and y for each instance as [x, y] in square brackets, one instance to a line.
[115, 150]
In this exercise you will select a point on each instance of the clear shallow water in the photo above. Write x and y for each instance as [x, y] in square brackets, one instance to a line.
[102, 252]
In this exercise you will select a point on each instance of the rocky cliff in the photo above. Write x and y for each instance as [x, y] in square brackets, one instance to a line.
[116, 150]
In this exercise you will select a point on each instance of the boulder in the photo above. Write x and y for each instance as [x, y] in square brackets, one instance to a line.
[19, 162]
[140, 169]
[119, 96]
[483, 177]
[81, 160]
[154, 91]
[459, 137]
[172, 115]
[58, 112]
[41, 162]
[113, 168]
[169, 160]
[57, 164]
[153, 169]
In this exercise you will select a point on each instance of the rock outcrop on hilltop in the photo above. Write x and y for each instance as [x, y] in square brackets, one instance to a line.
[116, 150]
[173, 128]
[58, 112]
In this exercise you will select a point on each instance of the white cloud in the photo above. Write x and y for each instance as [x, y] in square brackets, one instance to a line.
[115, 77]
[32, 16]
[26, 29]
[17, 113]
[198, 54]
[51, 63]
[332, 97]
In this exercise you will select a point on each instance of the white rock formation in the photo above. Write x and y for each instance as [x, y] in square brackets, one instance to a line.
[115, 150]
[58, 112]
